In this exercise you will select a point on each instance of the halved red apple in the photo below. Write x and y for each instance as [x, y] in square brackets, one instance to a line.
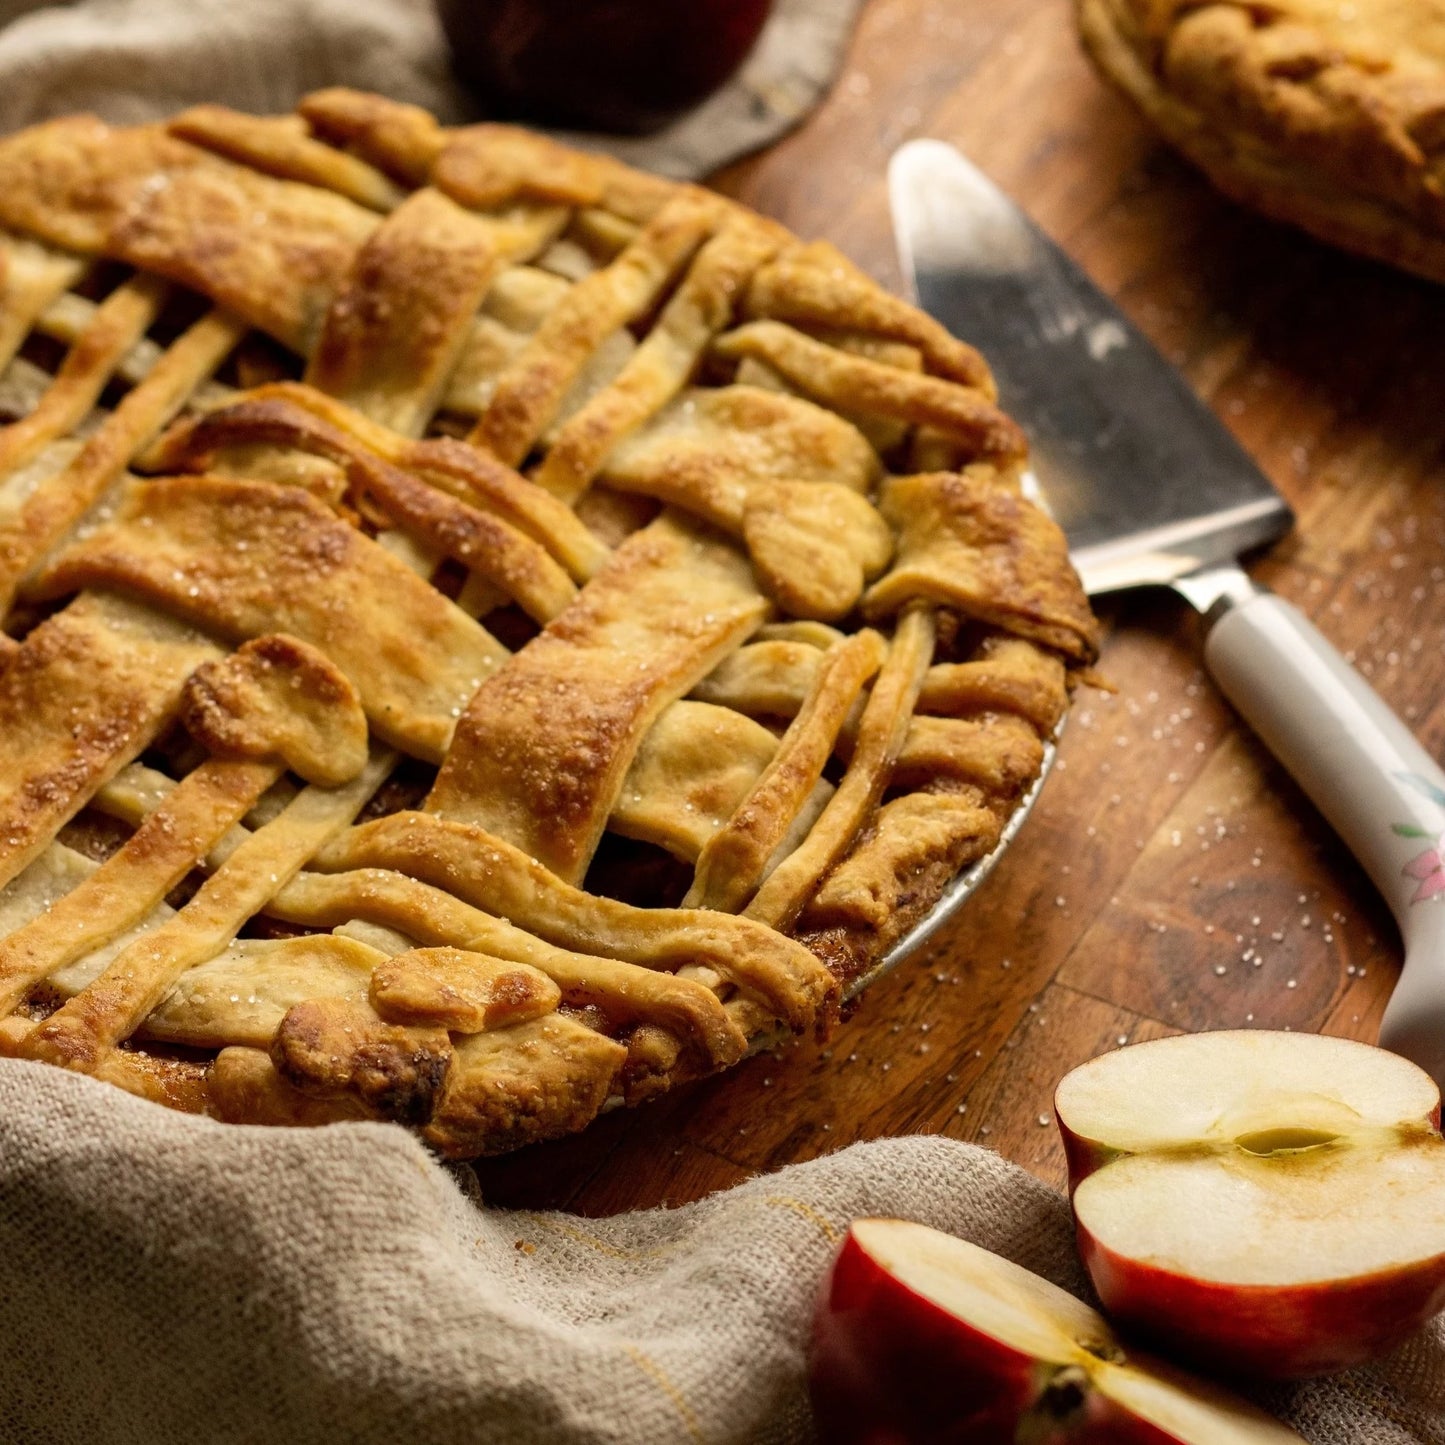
[1265, 1203]
[924, 1339]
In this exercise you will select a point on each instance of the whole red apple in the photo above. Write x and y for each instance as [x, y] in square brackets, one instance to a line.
[924, 1339]
[1266, 1203]
[621, 65]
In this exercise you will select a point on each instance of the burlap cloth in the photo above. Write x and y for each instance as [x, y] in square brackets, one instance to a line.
[132, 60]
[166, 1278]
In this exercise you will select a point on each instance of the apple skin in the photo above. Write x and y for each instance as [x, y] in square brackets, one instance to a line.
[1278, 1332]
[890, 1367]
[1082, 1155]
[618, 65]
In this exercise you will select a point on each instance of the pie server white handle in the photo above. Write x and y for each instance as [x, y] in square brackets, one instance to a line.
[1363, 769]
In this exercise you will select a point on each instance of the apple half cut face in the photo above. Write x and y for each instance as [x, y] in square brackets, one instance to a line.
[1266, 1203]
[924, 1339]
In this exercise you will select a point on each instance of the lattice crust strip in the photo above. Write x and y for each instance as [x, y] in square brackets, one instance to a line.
[487, 633]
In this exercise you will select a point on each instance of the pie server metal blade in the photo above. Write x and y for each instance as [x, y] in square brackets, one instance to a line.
[1150, 488]
[1136, 469]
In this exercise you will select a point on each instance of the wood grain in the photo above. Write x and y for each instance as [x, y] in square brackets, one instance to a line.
[1171, 877]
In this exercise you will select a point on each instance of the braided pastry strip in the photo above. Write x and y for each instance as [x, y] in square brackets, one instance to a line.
[735, 859]
[881, 734]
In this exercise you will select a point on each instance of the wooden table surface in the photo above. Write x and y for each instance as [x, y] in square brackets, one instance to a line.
[1171, 877]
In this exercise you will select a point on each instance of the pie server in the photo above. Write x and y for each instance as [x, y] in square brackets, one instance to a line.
[1153, 491]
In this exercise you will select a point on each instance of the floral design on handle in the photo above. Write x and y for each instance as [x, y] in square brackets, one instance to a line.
[1427, 868]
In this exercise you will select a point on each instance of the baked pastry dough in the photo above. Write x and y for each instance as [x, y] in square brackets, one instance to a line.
[1328, 115]
[487, 633]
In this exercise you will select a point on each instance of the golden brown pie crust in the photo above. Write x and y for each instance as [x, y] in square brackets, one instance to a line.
[487, 633]
[1327, 115]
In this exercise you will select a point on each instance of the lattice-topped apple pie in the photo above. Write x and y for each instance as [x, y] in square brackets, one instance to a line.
[488, 633]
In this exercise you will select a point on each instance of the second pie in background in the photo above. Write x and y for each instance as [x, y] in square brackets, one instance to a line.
[1326, 115]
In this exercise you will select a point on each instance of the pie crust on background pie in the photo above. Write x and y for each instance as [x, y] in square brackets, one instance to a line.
[1325, 114]
[487, 632]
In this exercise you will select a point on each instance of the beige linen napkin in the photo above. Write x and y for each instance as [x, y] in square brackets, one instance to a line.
[132, 60]
[165, 1278]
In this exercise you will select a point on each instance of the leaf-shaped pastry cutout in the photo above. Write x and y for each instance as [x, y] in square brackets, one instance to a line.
[241, 995]
[278, 697]
[814, 545]
[336, 1046]
[456, 988]
[918, 836]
